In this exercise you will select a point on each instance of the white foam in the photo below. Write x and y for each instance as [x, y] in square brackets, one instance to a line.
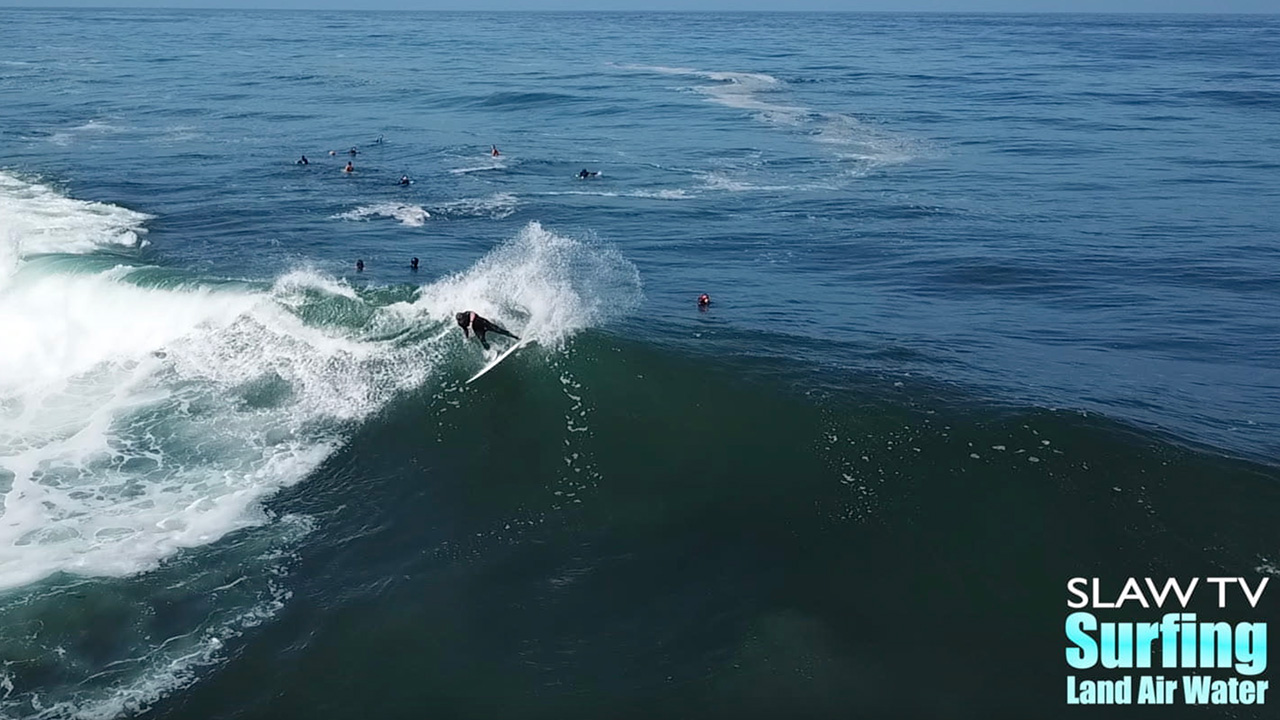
[720, 181]
[540, 285]
[172, 664]
[659, 194]
[132, 426]
[137, 420]
[66, 137]
[866, 146]
[741, 90]
[140, 415]
[662, 194]
[496, 206]
[590, 193]
[410, 215]
[36, 220]
[290, 284]
[491, 164]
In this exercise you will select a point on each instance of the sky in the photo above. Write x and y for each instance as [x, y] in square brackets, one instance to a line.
[1218, 6]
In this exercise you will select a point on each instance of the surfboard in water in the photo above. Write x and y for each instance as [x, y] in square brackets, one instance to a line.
[494, 362]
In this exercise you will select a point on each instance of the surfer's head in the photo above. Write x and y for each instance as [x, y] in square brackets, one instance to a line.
[704, 299]
[462, 318]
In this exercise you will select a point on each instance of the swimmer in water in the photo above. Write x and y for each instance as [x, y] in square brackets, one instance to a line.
[704, 301]
[585, 173]
[353, 152]
[359, 265]
[303, 161]
[413, 264]
[404, 180]
[493, 150]
[349, 168]
[333, 153]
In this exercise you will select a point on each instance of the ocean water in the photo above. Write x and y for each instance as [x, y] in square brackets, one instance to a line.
[996, 303]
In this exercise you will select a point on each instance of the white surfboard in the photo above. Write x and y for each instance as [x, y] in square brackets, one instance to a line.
[494, 362]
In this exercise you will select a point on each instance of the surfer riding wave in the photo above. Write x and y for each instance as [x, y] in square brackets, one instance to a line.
[468, 319]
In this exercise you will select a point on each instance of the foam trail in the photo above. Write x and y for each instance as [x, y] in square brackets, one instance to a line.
[856, 142]
[410, 215]
[745, 91]
[659, 194]
[495, 207]
[496, 165]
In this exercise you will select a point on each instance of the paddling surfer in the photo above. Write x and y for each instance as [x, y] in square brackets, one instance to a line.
[469, 320]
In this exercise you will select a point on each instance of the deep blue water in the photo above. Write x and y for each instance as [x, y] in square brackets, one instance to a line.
[966, 270]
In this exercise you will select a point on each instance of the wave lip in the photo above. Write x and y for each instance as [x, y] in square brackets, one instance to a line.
[37, 220]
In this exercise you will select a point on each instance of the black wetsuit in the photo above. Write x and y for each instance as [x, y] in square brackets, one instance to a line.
[481, 326]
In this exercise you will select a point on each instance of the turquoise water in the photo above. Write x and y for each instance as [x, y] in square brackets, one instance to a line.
[995, 304]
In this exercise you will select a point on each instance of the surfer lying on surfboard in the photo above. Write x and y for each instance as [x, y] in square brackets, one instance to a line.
[468, 319]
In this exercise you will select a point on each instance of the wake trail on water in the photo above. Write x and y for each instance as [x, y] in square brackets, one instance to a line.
[144, 412]
[861, 145]
[496, 206]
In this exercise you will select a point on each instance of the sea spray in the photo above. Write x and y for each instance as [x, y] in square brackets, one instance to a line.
[544, 285]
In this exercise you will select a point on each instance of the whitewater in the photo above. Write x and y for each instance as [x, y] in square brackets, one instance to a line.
[145, 412]
[993, 305]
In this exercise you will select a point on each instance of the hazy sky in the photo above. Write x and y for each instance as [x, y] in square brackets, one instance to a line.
[1246, 6]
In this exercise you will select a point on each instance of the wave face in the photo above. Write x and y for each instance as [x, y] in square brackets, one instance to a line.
[994, 304]
[144, 412]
